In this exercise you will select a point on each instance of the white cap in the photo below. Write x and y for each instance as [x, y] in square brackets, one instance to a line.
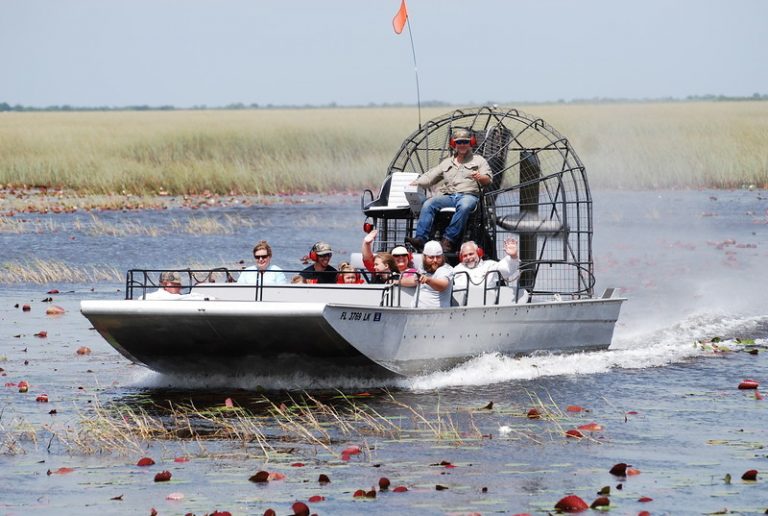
[399, 251]
[433, 248]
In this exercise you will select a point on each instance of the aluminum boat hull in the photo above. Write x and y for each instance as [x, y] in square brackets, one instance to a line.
[315, 338]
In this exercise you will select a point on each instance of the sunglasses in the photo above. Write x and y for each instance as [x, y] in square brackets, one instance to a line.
[461, 142]
[261, 256]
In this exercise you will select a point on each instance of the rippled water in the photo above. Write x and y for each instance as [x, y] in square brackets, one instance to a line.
[690, 263]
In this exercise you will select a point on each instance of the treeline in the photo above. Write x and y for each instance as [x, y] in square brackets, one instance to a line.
[4, 106]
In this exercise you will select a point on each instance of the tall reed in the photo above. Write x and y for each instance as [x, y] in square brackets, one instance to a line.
[637, 145]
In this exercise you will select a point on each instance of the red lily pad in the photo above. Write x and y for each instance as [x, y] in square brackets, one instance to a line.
[384, 483]
[297, 465]
[42, 398]
[749, 475]
[573, 433]
[571, 503]
[590, 427]
[400, 489]
[620, 469]
[316, 498]
[23, 386]
[260, 478]
[25, 308]
[163, 476]
[533, 414]
[600, 502]
[145, 461]
[300, 509]
[574, 408]
[748, 384]
[61, 471]
[359, 494]
[41, 334]
[645, 499]
[181, 459]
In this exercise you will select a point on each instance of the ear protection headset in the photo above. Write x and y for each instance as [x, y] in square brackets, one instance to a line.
[472, 140]
[313, 253]
[479, 252]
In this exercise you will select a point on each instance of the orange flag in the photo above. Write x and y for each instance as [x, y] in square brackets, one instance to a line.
[398, 22]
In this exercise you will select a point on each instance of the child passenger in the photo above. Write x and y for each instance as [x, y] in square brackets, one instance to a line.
[348, 274]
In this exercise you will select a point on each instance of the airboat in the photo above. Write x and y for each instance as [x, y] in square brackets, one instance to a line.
[539, 195]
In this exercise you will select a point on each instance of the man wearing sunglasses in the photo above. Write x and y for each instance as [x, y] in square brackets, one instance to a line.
[321, 271]
[272, 274]
[460, 176]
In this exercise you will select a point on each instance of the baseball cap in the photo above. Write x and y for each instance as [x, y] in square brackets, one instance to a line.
[399, 251]
[433, 248]
[321, 248]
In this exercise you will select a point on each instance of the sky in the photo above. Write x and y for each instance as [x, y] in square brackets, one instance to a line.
[296, 52]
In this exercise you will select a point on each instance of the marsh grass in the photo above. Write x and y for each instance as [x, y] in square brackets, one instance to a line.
[303, 425]
[639, 145]
[39, 271]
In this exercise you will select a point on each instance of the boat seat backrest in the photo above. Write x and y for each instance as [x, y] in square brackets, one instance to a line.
[392, 193]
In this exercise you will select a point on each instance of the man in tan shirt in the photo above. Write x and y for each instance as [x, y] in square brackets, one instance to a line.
[462, 176]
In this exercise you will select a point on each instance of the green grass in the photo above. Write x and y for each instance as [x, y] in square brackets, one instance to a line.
[642, 145]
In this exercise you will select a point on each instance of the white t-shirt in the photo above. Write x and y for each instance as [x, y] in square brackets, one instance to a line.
[431, 298]
[507, 268]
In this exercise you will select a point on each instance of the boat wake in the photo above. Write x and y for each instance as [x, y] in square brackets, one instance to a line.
[681, 342]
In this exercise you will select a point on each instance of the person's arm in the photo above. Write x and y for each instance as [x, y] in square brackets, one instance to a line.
[483, 175]
[408, 278]
[437, 283]
[367, 252]
[509, 266]
[432, 175]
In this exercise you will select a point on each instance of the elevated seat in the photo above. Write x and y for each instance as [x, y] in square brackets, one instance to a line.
[392, 202]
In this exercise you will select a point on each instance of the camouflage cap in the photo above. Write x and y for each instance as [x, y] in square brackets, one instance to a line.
[321, 248]
[170, 277]
[461, 133]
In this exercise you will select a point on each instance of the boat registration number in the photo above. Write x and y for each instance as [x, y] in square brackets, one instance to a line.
[360, 316]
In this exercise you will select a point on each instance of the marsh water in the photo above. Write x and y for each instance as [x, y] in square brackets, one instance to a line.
[664, 398]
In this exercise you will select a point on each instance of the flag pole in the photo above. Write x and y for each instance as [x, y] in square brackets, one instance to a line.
[415, 69]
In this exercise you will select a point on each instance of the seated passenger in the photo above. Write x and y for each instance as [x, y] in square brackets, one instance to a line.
[384, 269]
[272, 274]
[170, 287]
[477, 269]
[321, 271]
[297, 279]
[348, 274]
[436, 279]
[408, 276]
